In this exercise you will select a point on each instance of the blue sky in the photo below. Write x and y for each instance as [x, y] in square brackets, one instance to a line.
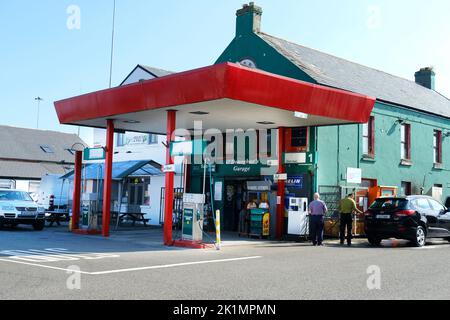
[40, 56]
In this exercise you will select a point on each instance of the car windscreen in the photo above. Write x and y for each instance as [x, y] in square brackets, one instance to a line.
[389, 204]
[14, 196]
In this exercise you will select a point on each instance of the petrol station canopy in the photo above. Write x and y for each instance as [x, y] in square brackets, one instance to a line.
[224, 96]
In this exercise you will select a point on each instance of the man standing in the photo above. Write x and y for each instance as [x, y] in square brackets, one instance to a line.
[317, 209]
[347, 207]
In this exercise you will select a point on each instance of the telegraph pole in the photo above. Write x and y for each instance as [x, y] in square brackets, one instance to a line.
[112, 44]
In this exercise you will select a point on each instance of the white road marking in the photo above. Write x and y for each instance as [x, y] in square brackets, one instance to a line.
[175, 265]
[43, 266]
[132, 269]
[53, 255]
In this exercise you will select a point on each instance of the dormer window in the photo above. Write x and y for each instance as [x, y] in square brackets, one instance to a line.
[47, 149]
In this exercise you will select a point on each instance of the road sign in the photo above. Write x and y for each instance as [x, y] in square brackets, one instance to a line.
[94, 154]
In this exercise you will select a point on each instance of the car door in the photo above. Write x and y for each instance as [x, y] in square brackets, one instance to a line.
[443, 217]
[424, 208]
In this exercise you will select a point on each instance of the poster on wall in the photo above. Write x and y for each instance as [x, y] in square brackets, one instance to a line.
[218, 187]
[354, 175]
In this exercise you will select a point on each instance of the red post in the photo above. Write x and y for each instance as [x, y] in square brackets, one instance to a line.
[281, 185]
[77, 190]
[107, 186]
[168, 206]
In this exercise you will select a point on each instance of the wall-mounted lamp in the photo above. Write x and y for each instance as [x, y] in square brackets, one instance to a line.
[447, 134]
[400, 121]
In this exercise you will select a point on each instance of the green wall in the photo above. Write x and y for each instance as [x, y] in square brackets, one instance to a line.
[340, 147]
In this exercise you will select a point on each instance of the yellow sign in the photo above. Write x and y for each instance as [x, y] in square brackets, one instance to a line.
[266, 225]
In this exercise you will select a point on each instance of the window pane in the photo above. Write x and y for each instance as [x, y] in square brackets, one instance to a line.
[365, 130]
[402, 151]
[366, 146]
[403, 133]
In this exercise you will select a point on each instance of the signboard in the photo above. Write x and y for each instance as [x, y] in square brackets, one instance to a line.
[295, 181]
[266, 225]
[354, 175]
[168, 168]
[218, 190]
[94, 154]
[188, 220]
[280, 177]
[194, 198]
[299, 158]
[187, 148]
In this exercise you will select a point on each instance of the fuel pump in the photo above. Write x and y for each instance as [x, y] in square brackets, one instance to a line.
[298, 217]
[192, 228]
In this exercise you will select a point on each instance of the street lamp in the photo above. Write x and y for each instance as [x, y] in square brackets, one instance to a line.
[38, 99]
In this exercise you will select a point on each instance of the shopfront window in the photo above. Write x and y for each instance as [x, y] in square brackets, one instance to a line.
[297, 139]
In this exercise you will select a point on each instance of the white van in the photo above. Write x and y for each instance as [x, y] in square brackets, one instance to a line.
[54, 193]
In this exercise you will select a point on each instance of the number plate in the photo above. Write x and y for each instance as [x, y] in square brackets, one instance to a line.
[383, 216]
[27, 214]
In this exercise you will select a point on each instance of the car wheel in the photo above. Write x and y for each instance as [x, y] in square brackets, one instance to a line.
[39, 226]
[421, 237]
[374, 241]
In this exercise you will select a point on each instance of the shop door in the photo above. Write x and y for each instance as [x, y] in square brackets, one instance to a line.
[230, 220]
[136, 194]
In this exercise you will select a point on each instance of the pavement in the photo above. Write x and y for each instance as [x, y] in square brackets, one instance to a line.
[133, 264]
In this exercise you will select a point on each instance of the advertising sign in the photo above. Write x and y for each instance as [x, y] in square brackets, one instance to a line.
[354, 175]
[94, 154]
[266, 225]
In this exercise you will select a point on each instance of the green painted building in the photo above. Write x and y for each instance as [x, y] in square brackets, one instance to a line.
[405, 145]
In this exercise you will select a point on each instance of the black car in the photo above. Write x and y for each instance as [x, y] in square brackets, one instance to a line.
[413, 218]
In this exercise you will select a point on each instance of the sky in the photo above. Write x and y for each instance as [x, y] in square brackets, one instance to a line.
[57, 49]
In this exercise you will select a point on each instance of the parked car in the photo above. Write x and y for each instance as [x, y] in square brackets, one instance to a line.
[413, 218]
[17, 207]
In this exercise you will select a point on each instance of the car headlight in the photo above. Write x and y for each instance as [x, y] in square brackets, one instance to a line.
[8, 208]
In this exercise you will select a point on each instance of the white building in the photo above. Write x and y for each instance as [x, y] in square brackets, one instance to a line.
[131, 146]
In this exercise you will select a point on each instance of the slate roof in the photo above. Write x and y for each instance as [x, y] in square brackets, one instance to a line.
[158, 73]
[21, 155]
[339, 73]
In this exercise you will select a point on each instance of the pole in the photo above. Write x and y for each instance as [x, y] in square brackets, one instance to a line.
[218, 237]
[77, 191]
[38, 99]
[112, 44]
[281, 186]
[168, 207]
[107, 177]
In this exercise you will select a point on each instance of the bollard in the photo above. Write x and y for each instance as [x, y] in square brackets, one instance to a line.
[218, 230]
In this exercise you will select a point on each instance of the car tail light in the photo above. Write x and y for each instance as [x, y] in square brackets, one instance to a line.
[405, 213]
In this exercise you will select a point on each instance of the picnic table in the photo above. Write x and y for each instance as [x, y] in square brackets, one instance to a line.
[134, 216]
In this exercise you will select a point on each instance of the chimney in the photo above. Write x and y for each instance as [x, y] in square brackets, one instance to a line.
[248, 19]
[425, 77]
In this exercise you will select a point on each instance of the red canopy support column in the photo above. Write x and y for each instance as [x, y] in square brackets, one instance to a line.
[168, 205]
[107, 187]
[77, 190]
[281, 185]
